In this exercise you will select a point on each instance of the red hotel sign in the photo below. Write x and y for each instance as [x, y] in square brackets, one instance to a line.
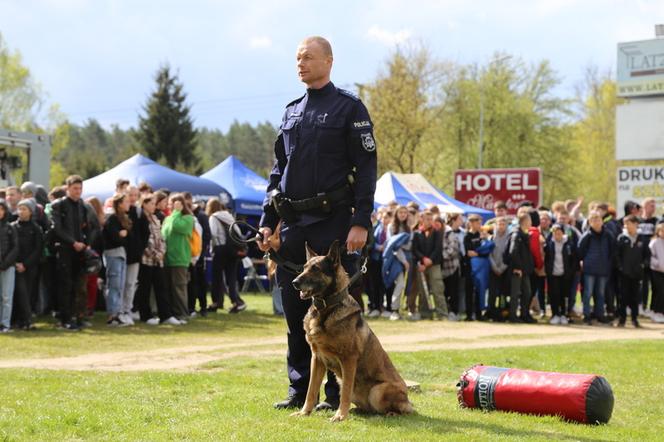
[483, 187]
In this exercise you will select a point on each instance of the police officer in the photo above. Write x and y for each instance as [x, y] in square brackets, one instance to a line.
[321, 189]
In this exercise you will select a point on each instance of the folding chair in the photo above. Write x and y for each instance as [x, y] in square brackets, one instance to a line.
[252, 276]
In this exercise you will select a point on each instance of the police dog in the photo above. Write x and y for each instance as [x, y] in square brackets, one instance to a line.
[342, 341]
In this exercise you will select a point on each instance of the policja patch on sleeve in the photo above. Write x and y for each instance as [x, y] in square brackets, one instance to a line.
[368, 142]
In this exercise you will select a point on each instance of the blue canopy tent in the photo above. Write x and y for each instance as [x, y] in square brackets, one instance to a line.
[246, 187]
[139, 169]
[403, 188]
[247, 190]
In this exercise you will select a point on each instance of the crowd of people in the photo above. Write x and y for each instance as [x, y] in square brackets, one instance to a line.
[425, 264]
[140, 255]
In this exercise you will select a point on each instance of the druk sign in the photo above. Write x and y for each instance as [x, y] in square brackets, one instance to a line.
[482, 188]
[635, 183]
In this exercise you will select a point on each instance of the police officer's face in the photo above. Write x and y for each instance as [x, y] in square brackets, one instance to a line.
[313, 65]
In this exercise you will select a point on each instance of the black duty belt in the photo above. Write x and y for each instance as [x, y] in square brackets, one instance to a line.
[324, 201]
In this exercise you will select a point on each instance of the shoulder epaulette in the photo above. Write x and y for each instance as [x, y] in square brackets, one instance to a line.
[297, 100]
[349, 94]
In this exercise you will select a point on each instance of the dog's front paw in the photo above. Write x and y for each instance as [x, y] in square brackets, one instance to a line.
[338, 417]
[302, 412]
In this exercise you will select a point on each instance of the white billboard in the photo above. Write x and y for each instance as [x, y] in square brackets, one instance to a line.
[640, 130]
[635, 183]
[641, 68]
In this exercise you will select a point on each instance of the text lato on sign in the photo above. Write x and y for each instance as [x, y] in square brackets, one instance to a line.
[482, 188]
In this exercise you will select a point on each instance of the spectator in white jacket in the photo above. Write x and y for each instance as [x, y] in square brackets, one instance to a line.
[225, 257]
[657, 267]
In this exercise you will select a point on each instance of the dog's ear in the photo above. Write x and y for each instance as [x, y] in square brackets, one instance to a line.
[334, 251]
[309, 251]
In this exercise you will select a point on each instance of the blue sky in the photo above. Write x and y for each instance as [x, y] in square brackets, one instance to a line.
[236, 59]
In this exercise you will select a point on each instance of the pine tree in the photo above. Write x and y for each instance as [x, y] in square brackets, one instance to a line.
[166, 131]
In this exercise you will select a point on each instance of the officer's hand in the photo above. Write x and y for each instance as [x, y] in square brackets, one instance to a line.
[357, 238]
[264, 244]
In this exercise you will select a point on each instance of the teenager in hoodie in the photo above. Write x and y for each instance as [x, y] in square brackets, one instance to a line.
[633, 256]
[559, 260]
[30, 247]
[656, 247]
[177, 230]
[428, 254]
[521, 267]
[8, 253]
[499, 278]
[596, 250]
[573, 235]
[452, 256]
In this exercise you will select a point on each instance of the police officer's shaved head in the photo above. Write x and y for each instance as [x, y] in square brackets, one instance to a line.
[322, 42]
[314, 61]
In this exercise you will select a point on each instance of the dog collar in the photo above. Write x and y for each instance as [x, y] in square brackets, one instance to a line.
[330, 301]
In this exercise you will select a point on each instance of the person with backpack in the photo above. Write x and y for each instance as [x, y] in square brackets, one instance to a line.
[226, 253]
[177, 231]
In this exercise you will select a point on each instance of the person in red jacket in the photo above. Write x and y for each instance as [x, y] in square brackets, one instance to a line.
[537, 281]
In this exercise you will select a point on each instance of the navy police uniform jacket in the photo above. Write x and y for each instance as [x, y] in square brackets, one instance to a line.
[324, 136]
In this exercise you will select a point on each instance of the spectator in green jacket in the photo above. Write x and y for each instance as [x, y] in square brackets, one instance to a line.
[177, 231]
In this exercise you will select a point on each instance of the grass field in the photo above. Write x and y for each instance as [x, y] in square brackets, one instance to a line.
[230, 398]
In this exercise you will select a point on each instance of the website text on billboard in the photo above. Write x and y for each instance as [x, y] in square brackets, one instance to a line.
[640, 68]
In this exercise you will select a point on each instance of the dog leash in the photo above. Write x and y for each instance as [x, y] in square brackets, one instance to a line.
[289, 266]
[270, 254]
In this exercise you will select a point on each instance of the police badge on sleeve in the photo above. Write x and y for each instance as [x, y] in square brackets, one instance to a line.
[368, 142]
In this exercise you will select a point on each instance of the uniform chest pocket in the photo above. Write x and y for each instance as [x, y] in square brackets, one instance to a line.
[290, 125]
[331, 133]
[289, 130]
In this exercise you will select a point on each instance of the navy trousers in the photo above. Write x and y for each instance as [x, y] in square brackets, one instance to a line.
[319, 237]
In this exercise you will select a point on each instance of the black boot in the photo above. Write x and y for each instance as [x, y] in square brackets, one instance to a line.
[294, 401]
[328, 404]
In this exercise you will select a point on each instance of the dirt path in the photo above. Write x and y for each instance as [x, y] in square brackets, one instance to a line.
[424, 336]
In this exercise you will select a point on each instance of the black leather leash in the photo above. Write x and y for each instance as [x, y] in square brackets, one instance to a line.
[289, 266]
